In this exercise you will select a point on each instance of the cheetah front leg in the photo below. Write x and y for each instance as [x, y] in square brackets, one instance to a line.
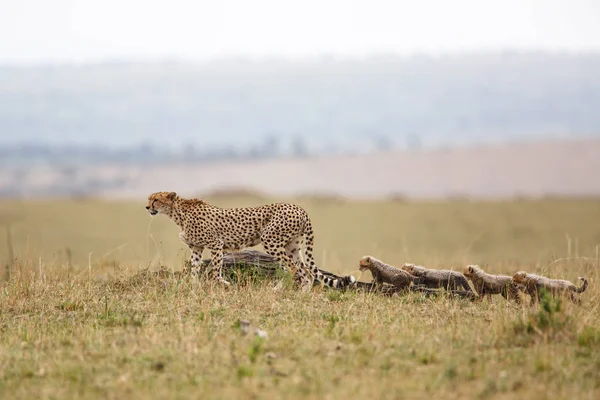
[486, 295]
[510, 292]
[216, 262]
[536, 297]
[465, 285]
[196, 256]
[515, 293]
[196, 260]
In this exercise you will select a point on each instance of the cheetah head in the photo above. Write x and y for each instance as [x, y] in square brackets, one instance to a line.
[160, 202]
[520, 277]
[364, 263]
[471, 270]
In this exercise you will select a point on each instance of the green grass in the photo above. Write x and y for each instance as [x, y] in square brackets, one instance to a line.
[79, 327]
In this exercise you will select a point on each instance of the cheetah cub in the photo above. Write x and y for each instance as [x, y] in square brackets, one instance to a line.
[385, 273]
[534, 284]
[488, 284]
[438, 278]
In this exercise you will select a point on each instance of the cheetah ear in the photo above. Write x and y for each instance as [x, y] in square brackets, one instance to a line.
[470, 269]
[171, 196]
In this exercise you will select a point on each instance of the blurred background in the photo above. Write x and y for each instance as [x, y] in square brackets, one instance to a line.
[404, 117]
[356, 98]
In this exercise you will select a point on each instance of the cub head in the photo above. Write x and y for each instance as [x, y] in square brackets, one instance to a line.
[520, 277]
[160, 202]
[408, 267]
[364, 263]
[471, 270]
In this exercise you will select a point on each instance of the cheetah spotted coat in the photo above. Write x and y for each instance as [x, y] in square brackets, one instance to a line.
[281, 228]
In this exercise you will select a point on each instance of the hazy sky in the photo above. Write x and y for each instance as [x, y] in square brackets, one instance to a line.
[84, 30]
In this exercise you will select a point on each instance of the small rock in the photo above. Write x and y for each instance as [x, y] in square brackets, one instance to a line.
[260, 333]
[244, 326]
[158, 366]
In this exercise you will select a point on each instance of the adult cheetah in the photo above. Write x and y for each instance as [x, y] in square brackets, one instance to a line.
[282, 228]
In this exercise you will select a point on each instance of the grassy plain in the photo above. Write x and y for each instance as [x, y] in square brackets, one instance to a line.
[73, 325]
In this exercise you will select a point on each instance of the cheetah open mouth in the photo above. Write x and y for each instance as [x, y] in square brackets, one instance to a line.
[153, 212]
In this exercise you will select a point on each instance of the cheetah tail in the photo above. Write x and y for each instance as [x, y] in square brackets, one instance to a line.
[338, 283]
[582, 288]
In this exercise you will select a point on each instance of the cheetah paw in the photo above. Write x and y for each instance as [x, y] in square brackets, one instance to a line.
[223, 281]
[307, 287]
[279, 286]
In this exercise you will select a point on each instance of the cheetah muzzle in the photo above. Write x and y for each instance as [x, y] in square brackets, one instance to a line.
[152, 212]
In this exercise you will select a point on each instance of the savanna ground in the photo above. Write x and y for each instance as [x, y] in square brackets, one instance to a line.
[74, 324]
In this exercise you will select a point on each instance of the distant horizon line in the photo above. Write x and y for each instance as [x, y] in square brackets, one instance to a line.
[279, 57]
[145, 146]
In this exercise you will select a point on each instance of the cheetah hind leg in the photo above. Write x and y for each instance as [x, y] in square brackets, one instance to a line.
[307, 278]
[277, 250]
[293, 251]
[299, 270]
[287, 264]
[574, 298]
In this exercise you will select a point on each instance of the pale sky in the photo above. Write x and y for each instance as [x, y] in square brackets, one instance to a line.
[33, 31]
